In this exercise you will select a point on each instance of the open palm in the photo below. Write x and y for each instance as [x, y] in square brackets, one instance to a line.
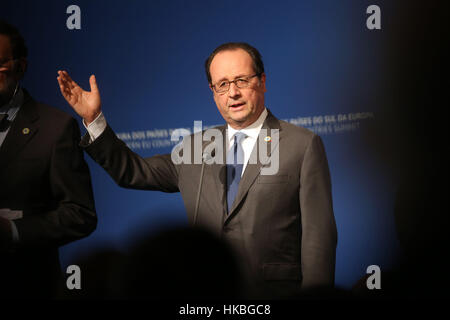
[85, 103]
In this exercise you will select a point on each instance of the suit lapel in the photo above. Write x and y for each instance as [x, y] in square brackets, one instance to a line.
[22, 130]
[252, 171]
[217, 173]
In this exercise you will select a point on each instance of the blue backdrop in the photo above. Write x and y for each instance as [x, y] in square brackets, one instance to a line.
[323, 66]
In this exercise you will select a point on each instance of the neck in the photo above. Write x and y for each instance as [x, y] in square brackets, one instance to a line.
[7, 97]
[3, 100]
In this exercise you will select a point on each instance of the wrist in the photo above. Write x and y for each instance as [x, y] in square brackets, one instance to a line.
[90, 119]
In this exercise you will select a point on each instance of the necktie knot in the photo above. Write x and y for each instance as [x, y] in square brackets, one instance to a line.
[239, 136]
[236, 153]
[4, 122]
[3, 116]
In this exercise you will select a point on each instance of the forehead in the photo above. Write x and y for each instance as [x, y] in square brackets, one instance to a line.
[230, 64]
[5, 46]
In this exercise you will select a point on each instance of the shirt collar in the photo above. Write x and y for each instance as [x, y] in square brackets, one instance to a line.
[13, 105]
[252, 130]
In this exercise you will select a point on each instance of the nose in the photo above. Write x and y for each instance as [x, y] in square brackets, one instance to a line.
[233, 91]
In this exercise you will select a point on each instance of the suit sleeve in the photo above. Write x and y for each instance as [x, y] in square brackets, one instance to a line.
[319, 235]
[74, 216]
[128, 169]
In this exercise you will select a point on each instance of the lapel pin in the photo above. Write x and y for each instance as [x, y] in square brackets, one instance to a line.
[25, 130]
[268, 139]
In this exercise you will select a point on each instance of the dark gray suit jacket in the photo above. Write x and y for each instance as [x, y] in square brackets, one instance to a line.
[281, 225]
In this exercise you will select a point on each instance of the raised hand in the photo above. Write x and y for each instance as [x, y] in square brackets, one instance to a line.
[87, 104]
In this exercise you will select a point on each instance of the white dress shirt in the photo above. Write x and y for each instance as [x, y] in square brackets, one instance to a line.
[251, 132]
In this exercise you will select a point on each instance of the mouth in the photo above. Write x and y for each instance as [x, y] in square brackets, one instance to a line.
[236, 106]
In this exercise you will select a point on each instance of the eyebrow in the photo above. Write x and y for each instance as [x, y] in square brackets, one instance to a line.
[236, 77]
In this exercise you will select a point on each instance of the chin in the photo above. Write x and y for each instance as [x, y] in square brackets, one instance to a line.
[241, 115]
[239, 120]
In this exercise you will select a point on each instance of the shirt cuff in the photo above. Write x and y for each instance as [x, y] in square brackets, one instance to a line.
[96, 127]
[15, 233]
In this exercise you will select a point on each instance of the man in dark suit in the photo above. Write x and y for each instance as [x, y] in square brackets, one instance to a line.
[46, 197]
[280, 222]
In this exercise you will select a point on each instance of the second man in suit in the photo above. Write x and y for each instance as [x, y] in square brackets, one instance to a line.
[46, 197]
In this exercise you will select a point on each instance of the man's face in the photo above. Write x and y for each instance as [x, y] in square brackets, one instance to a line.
[8, 70]
[239, 107]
